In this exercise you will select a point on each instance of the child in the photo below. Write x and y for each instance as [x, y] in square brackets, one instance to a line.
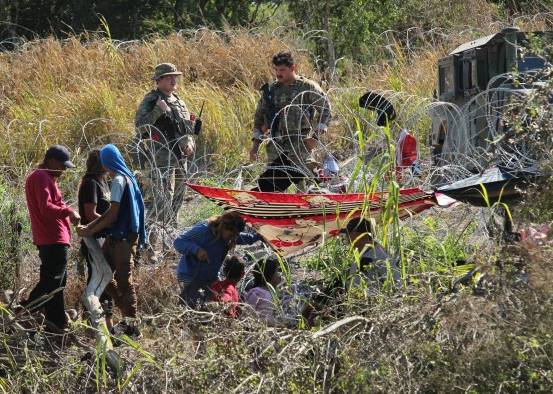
[225, 290]
[266, 274]
[374, 260]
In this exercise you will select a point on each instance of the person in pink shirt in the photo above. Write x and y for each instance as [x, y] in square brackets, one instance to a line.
[50, 226]
[266, 278]
[225, 290]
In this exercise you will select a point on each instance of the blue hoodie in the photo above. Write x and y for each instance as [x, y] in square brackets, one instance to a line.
[201, 236]
[112, 159]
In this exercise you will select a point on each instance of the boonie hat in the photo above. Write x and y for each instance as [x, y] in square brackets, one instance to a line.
[164, 69]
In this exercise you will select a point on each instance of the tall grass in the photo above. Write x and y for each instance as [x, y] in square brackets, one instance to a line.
[14, 229]
[79, 90]
[84, 91]
[86, 87]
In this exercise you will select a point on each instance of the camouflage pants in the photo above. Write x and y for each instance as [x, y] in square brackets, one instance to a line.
[290, 146]
[164, 190]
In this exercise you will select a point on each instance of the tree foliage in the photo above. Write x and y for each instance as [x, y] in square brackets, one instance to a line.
[355, 29]
[127, 19]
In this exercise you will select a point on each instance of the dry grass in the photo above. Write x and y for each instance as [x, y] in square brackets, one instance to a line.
[493, 342]
[419, 341]
[77, 91]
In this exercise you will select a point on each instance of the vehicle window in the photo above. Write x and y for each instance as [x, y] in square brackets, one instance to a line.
[482, 65]
[528, 63]
[460, 77]
[467, 74]
[474, 73]
[446, 79]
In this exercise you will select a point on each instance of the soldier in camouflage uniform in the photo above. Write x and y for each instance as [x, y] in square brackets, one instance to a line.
[163, 124]
[286, 111]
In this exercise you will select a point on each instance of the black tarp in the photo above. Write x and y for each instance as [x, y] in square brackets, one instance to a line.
[500, 184]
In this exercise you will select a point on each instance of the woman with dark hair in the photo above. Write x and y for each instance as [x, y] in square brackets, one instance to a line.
[93, 200]
[204, 248]
[124, 223]
[266, 276]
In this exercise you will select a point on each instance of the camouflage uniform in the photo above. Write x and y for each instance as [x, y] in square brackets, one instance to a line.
[165, 135]
[296, 106]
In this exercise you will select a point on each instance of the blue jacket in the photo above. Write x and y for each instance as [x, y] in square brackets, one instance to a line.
[201, 236]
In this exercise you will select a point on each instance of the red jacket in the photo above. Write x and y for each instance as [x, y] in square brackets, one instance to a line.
[407, 147]
[406, 152]
[49, 215]
[225, 291]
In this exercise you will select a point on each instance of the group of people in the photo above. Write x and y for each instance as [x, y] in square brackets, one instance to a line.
[292, 113]
[114, 215]
[205, 250]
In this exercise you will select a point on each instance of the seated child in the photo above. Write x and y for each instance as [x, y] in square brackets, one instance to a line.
[225, 290]
[266, 274]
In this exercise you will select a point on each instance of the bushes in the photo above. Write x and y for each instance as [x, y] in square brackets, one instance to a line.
[13, 221]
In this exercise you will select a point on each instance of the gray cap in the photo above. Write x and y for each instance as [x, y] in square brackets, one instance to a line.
[164, 69]
[60, 153]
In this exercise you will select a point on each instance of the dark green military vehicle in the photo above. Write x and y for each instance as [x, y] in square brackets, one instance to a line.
[476, 81]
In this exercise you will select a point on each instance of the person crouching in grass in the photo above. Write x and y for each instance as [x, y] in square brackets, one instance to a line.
[203, 249]
[266, 277]
[225, 290]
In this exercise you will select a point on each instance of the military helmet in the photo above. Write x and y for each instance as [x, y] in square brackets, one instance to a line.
[164, 69]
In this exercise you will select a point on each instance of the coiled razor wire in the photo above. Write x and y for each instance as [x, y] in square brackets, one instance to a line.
[472, 142]
[462, 155]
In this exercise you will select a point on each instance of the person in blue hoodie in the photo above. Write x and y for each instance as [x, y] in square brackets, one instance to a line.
[204, 248]
[125, 221]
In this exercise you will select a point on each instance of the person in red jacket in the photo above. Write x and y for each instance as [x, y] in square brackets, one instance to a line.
[50, 226]
[225, 290]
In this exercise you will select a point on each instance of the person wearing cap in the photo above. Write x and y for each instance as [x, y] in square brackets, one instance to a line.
[374, 262]
[294, 112]
[50, 225]
[164, 123]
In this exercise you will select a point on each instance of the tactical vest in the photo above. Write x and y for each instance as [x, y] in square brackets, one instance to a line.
[172, 126]
[274, 111]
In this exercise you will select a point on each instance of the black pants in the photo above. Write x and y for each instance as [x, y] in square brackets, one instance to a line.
[194, 293]
[52, 276]
[105, 298]
[278, 179]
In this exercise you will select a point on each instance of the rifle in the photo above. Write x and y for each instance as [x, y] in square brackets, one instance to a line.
[198, 122]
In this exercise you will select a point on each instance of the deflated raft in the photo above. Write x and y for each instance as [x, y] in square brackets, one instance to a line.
[295, 223]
